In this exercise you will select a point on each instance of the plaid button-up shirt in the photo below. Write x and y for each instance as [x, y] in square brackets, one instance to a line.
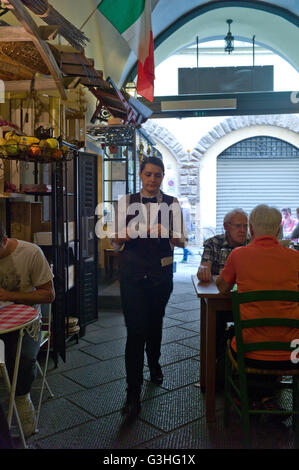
[216, 251]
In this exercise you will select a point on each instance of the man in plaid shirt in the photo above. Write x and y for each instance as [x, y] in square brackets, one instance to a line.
[218, 248]
[215, 254]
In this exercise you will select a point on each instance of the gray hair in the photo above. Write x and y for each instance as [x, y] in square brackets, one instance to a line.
[2, 232]
[265, 220]
[230, 215]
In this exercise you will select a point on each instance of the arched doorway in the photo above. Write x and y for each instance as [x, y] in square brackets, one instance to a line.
[257, 170]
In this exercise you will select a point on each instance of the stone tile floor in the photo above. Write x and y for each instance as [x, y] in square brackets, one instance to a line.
[90, 390]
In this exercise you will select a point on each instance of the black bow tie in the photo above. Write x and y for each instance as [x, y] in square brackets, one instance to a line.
[149, 199]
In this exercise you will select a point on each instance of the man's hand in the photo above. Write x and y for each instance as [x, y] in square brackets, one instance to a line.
[222, 285]
[43, 294]
[204, 273]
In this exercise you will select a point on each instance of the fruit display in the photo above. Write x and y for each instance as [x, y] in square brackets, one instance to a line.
[30, 148]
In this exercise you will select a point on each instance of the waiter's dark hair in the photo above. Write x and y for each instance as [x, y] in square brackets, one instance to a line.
[153, 161]
[2, 232]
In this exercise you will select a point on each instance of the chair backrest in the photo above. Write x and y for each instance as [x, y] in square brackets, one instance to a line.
[46, 327]
[239, 298]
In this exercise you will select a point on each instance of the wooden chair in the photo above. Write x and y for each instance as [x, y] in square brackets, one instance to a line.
[236, 370]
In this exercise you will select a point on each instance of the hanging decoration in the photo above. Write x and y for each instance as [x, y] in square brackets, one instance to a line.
[49, 15]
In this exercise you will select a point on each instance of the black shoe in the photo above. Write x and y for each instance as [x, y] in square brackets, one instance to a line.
[132, 406]
[156, 375]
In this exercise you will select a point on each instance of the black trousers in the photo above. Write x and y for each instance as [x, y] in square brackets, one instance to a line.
[143, 304]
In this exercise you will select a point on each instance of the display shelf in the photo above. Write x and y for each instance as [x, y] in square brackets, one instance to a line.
[42, 155]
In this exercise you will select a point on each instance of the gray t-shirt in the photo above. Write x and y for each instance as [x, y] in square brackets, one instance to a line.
[24, 269]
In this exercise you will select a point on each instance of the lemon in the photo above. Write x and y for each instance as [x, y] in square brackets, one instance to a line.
[54, 144]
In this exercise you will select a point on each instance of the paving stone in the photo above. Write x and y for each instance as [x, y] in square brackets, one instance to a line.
[98, 373]
[189, 304]
[185, 315]
[102, 335]
[174, 352]
[107, 350]
[58, 415]
[167, 322]
[192, 326]
[75, 358]
[110, 397]
[179, 374]
[175, 333]
[110, 432]
[170, 411]
[193, 342]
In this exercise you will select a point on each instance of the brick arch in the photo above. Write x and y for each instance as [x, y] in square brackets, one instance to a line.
[161, 134]
[286, 121]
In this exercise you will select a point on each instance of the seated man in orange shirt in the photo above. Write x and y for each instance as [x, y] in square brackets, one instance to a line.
[264, 264]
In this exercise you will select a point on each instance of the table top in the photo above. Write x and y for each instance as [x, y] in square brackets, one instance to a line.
[14, 316]
[208, 289]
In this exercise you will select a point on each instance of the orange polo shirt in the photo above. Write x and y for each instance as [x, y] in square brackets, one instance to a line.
[264, 264]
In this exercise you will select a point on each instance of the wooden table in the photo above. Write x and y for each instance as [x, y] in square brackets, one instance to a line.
[12, 318]
[211, 302]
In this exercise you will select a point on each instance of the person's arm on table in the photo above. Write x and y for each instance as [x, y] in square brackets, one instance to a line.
[223, 286]
[227, 278]
[204, 271]
[43, 294]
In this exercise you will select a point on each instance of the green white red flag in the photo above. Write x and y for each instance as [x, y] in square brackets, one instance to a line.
[132, 19]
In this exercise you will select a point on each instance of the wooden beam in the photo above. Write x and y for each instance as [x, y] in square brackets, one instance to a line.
[24, 85]
[30, 26]
[14, 33]
[46, 31]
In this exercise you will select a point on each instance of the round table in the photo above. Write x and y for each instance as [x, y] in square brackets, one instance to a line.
[12, 318]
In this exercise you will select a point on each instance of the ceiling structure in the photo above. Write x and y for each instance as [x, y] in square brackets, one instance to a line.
[176, 24]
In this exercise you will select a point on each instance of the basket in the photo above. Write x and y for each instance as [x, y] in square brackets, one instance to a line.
[34, 153]
[26, 54]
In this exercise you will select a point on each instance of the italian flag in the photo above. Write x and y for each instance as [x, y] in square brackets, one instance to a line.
[132, 19]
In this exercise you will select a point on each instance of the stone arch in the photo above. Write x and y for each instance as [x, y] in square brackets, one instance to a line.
[286, 121]
[166, 138]
[224, 135]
